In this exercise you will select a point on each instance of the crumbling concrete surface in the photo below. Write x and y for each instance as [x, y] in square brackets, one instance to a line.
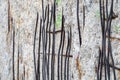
[22, 15]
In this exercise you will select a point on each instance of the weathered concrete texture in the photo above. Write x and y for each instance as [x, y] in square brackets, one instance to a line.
[24, 16]
[84, 62]
[91, 41]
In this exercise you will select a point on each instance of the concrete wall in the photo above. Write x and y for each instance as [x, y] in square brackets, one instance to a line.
[84, 61]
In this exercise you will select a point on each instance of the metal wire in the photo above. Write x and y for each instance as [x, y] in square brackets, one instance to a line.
[47, 22]
[49, 45]
[63, 40]
[13, 50]
[65, 62]
[70, 41]
[78, 23]
[105, 57]
[53, 44]
[60, 46]
[39, 46]
[34, 46]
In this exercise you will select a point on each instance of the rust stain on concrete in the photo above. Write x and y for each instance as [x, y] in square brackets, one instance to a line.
[118, 74]
[113, 38]
[9, 17]
[78, 67]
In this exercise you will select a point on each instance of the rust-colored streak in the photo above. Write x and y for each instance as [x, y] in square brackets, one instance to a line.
[9, 17]
[118, 74]
[78, 68]
[114, 38]
[8, 37]
[27, 73]
[95, 69]
[23, 74]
